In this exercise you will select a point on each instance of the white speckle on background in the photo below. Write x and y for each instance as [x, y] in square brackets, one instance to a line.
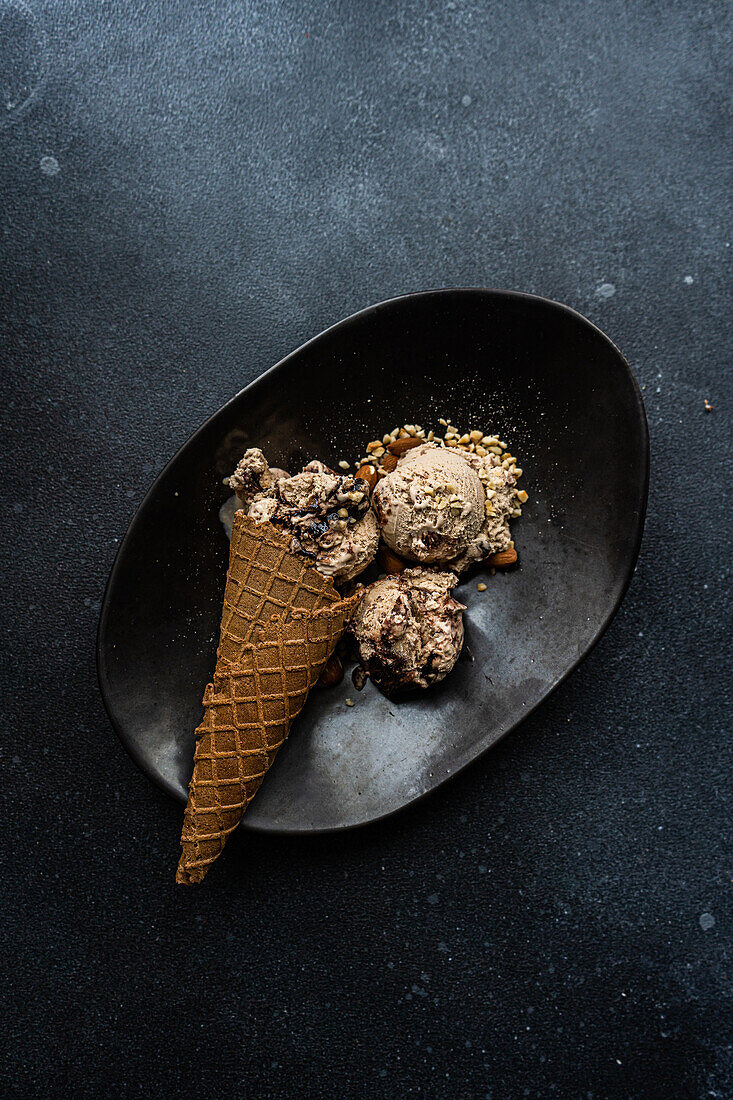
[689, 280]
[605, 290]
[23, 61]
[50, 166]
[707, 921]
[466, 101]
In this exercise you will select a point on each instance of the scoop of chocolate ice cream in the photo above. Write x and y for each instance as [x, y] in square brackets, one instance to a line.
[446, 506]
[253, 475]
[409, 629]
[329, 517]
[431, 507]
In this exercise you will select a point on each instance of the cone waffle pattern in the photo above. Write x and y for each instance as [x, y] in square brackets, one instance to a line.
[265, 580]
[249, 710]
[280, 623]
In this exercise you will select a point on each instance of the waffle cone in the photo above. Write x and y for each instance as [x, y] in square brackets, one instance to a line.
[264, 580]
[280, 623]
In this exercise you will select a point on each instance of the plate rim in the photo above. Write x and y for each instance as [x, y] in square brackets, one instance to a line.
[473, 291]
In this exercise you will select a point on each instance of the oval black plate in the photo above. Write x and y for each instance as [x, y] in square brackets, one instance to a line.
[533, 371]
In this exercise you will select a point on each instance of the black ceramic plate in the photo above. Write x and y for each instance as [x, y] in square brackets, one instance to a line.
[535, 372]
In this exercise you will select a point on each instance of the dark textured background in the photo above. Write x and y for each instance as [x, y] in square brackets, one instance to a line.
[226, 180]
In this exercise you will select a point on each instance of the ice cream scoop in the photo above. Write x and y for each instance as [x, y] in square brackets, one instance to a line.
[409, 629]
[253, 475]
[328, 516]
[431, 507]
